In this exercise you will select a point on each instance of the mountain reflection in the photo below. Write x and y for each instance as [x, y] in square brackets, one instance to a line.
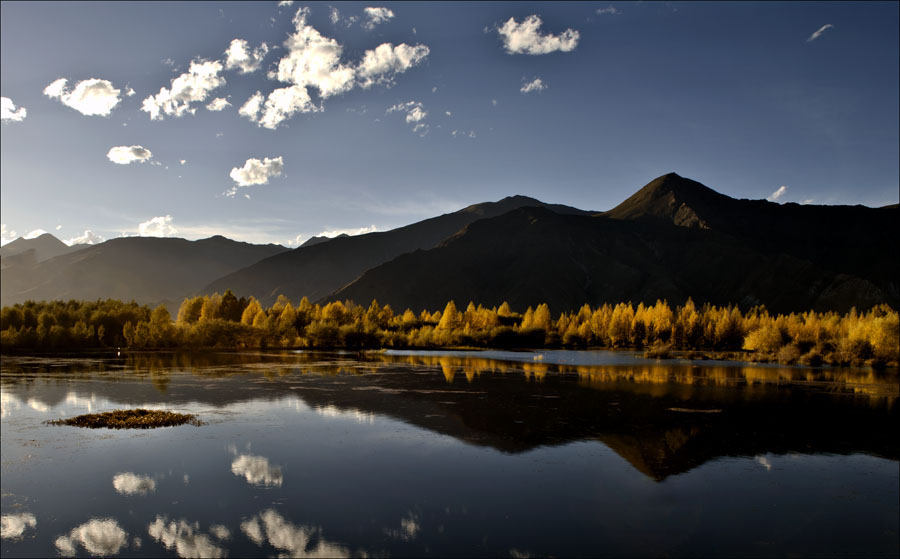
[185, 537]
[132, 484]
[98, 536]
[295, 541]
[257, 470]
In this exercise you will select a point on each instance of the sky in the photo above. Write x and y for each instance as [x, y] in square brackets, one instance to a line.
[274, 122]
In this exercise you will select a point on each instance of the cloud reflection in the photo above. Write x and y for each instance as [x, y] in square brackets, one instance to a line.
[409, 527]
[98, 536]
[185, 538]
[12, 526]
[132, 484]
[295, 541]
[256, 470]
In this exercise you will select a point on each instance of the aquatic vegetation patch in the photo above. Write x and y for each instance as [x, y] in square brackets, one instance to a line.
[129, 419]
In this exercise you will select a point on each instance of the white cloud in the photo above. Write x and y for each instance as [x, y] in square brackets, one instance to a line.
[160, 226]
[334, 15]
[819, 32]
[132, 484]
[8, 111]
[6, 235]
[525, 37]
[463, 134]
[257, 470]
[218, 104]
[58, 227]
[184, 537]
[611, 10]
[35, 234]
[123, 155]
[255, 172]
[285, 3]
[251, 107]
[239, 55]
[336, 232]
[88, 97]
[12, 526]
[534, 85]
[382, 64]
[182, 161]
[415, 115]
[192, 86]
[314, 61]
[87, 238]
[777, 194]
[98, 536]
[130, 92]
[494, 102]
[374, 16]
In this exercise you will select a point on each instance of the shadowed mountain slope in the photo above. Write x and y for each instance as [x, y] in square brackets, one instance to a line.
[31, 251]
[316, 270]
[534, 255]
[146, 269]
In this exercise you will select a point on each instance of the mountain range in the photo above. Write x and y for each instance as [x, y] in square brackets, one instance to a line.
[673, 239]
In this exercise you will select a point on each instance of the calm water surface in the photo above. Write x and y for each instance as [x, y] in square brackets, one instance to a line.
[511, 454]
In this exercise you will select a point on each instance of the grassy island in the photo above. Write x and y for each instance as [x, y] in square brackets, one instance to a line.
[129, 419]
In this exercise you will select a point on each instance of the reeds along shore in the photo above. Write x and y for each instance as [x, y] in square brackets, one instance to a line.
[225, 321]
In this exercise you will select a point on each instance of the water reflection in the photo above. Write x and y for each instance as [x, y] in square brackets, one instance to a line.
[132, 484]
[409, 527]
[257, 470]
[295, 541]
[98, 536]
[185, 537]
[12, 526]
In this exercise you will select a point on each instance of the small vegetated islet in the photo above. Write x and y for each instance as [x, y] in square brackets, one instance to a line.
[129, 419]
[226, 321]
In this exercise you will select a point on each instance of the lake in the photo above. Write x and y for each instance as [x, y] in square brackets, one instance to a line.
[411, 453]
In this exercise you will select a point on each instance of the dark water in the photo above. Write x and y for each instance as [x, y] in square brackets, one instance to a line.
[449, 454]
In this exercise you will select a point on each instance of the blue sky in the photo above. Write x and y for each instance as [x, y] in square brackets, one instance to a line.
[383, 114]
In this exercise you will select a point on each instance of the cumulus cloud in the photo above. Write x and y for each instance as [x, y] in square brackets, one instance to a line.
[9, 112]
[88, 97]
[334, 15]
[609, 10]
[240, 56]
[415, 114]
[184, 538]
[256, 171]
[35, 234]
[87, 238]
[295, 541]
[819, 32]
[6, 235]
[775, 196]
[534, 85]
[374, 16]
[218, 104]
[193, 86]
[132, 484]
[314, 61]
[526, 38]
[123, 155]
[338, 232]
[160, 226]
[97, 536]
[285, 3]
[12, 526]
[257, 470]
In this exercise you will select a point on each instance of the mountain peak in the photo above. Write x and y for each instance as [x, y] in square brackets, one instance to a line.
[672, 198]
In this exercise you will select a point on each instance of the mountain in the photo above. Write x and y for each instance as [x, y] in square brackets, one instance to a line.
[322, 239]
[672, 240]
[31, 251]
[146, 269]
[315, 271]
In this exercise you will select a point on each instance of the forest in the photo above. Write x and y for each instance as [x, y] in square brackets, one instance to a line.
[228, 322]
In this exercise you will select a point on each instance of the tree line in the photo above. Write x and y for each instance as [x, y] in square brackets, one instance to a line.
[226, 321]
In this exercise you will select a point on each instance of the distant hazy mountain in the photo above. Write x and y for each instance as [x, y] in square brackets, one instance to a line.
[323, 239]
[31, 251]
[316, 270]
[674, 239]
[146, 269]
